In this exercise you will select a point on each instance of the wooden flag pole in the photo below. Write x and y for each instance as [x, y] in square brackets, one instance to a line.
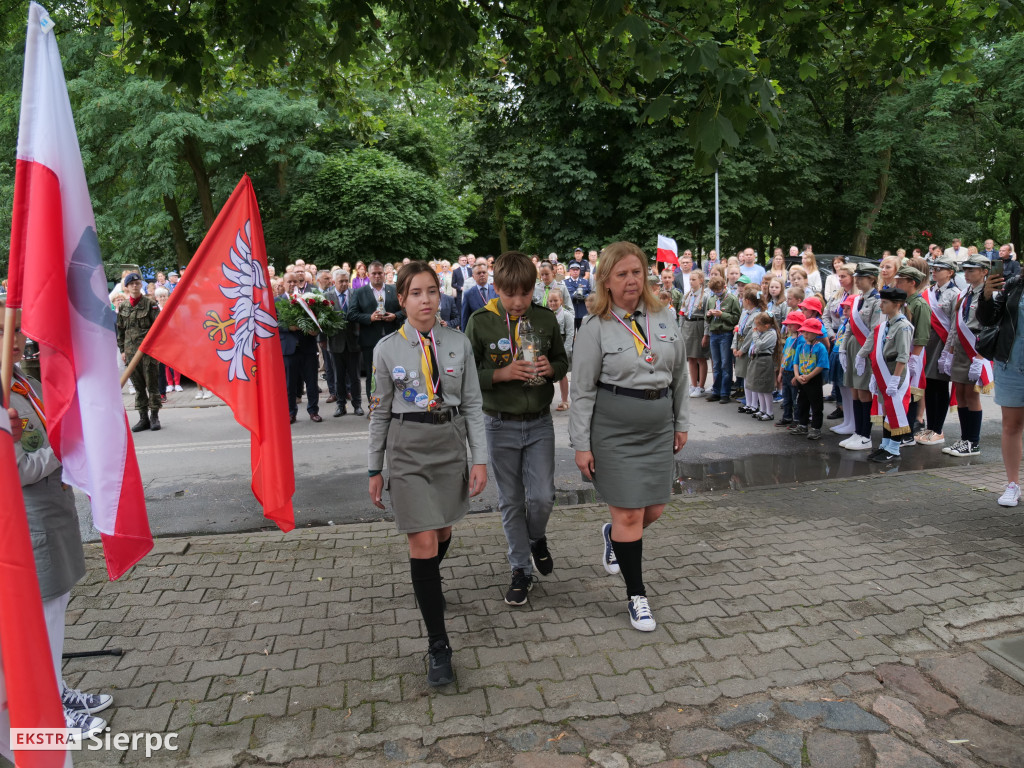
[7, 365]
[131, 367]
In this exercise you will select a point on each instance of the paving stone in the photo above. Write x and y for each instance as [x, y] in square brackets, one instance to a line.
[862, 683]
[804, 710]
[755, 712]
[679, 764]
[600, 730]
[745, 759]
[899, 714]
[524, 739]
[547, 760]
[979, 687]
[457, 747]
[988, 741]
[699, 741]
[608, 759]
[950, 754]
[916, 689]
[676, 718]
[646, 753]
[404, 751]
[892, 752]
[833, 750]
[786, 746]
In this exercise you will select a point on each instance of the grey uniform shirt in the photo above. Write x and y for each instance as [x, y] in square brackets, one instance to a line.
[700, 305]
[538, 294]
[741, 339]
[945, 299]
[460, 386]
[953, 342]
[604, 351]
[896, 346]
[763, 341]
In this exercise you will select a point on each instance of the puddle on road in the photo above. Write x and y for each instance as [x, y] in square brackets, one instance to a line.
[768, 469]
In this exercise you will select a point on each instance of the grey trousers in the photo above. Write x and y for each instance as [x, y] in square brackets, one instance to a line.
[523, 466]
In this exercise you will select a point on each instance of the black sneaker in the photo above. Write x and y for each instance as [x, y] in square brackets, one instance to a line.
[836, 414]
[882, 456]
[439, 664]
[908, 439]
[520, 587]
[713, 398]
[541, 556]
[800, 430]
[724, 400]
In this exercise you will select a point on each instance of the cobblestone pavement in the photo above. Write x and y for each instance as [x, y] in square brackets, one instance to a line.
[829, 624]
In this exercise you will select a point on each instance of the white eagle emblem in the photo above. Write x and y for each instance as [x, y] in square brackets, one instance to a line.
[251, 321]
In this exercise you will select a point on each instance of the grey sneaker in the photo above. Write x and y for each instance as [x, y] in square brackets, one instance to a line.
[813, 434]
[90, 703]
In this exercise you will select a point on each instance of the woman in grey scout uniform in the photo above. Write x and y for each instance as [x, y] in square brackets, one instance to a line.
[889, 381]
[942, 297]
[857, 376]
[53, 525]
[692, 316]
[629, 412]
[425, 403]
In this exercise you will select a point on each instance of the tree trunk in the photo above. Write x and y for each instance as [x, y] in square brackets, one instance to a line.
[1015, 215]
[282, 178]
[499, 217]
[181, 246]
[194, 157]
[860, 238]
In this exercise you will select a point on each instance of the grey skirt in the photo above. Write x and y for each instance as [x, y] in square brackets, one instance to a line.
[760, 374]
[961, 366]
[693, 334]
[850, 376]
[932, 352]
[428, 474]
[631, 441]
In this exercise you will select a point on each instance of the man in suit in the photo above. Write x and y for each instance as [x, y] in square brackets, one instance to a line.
[462, 275]
[957, 252]
[344, 348]
[375, 309]
[478, 293]
[579, 288]
[449, 312]
[300, 361]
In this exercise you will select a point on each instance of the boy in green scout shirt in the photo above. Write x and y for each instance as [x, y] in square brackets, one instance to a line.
[517, 398]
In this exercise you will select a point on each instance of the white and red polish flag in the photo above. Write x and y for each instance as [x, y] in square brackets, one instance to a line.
[668, 251]
[55, 254]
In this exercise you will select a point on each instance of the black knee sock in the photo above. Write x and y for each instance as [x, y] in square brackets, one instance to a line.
[865, 416]
[630, 555]
[970, 424]
[442, 548]
[936, 403]
[426, 583]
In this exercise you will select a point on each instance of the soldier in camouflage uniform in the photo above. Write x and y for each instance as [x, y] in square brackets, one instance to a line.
[134, 319]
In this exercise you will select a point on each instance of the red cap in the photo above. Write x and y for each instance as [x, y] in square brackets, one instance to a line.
[812, 325]
[813, 303]
[796, 317]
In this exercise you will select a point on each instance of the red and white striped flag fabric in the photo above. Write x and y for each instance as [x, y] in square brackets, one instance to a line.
[28, 682]
[55, 253]
[668, 251]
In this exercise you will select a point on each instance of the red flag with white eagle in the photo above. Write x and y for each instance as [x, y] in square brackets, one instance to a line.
[668, 251]
[29, 697]
[219, 328]
[55, 254]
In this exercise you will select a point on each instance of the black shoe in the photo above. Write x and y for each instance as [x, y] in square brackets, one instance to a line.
[877, 452]
[882, 456]
[520, 588]
[154, 420]
[292, 419]
[439, 664]
[908, 439]
[800, 430]
[143, 423]
[836, 414]
[783, 422]
[724, 401]
[745, 409]
[316, 417]
[340, 411]
[713, 398]
[541, 557]
[358, 411]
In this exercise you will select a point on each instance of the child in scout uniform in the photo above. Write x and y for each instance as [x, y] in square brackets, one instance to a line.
[971, 374]
[720, 317]
[942, 297]
[517, 394]
[809, 368]
[909, 279]
[53, 524]
[134, 319]
[567, 327]
[425, 405]
[887, 353]
[764, 361]
[752, 305]
[691, 316]
[864, 316]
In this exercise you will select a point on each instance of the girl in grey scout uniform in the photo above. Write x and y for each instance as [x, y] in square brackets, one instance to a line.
[942, 297]
[889, 381]
[425, 404]
[692, 316]
[53, 524]
[753, 305]
[765, 353]
[629, 412]
[970, 373]
[857, 376]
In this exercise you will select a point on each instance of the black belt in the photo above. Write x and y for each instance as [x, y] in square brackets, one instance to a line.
[517, 416]
[762, 354]
[639, 394]
[432, 417]
[695, 319]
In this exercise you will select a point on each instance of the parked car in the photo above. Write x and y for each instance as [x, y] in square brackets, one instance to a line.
[825, 260]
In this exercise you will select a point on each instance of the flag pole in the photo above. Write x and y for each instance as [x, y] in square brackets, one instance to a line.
[128, 369]
[7, 366]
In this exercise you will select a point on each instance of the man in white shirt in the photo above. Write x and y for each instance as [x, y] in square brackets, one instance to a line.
[957, 252]
[754, 271]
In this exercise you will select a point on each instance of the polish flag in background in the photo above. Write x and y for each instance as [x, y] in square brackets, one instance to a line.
[55, 253]
[28, 681]
[668, 251]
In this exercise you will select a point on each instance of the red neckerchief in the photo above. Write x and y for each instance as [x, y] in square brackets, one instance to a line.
[133, 302]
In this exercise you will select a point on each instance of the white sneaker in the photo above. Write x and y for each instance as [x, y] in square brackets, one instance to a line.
[199, 395]
[694, 391]
[843, 443]
[858, 443]
[640, 615]
[131, 388]
[177, 388]
[842, 429]
[1011, 496]
[207, 395]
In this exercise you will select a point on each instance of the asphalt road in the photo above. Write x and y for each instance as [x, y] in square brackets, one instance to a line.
[196, 469]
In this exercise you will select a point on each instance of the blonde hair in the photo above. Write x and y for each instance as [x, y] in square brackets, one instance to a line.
[610, 257]
[809, 257]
